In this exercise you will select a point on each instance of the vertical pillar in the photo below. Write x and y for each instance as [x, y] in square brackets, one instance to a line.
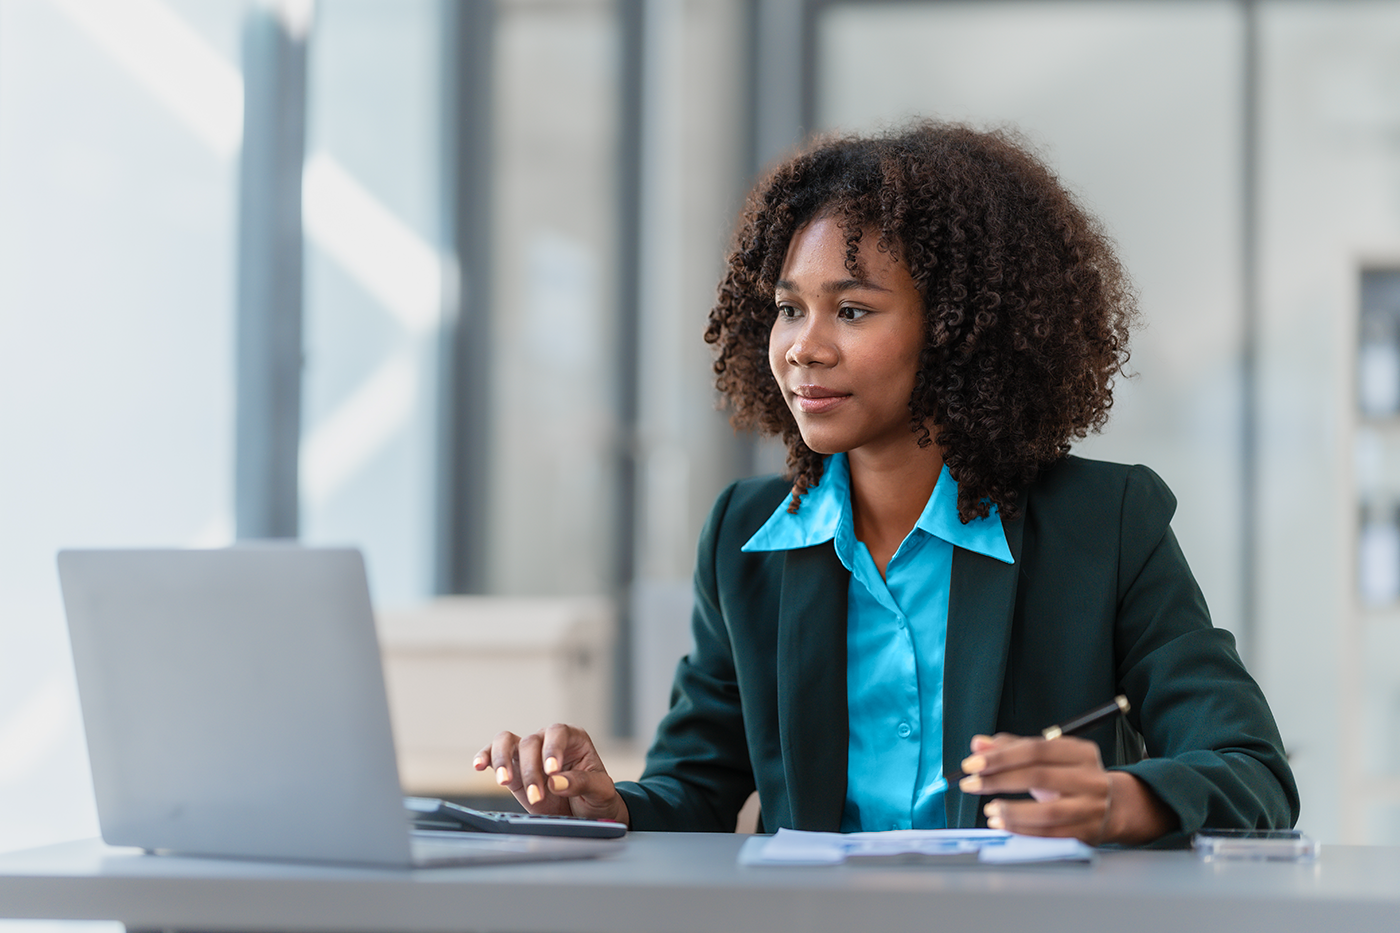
[465, 406]
[269, 321]
[783, 73]
[782, 113]
[631, 74]
[1250, 478]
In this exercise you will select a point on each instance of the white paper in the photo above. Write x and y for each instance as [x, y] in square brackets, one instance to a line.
[797, 847]
[1018, 849]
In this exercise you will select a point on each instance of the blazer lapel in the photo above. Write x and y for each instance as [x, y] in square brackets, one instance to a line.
[981, 603]
[813, 725]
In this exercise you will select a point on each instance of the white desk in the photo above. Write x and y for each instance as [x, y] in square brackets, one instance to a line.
[662, 883]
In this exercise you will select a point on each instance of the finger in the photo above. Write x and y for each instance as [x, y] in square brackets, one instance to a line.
[569, 748]
[1082, 818]
[1050, 780]
[532, 769]
[503, 757]
[592, 786]
[590, 794]
[482, 761]
[984, 746]
[1020, 752]
[984, 742]
[1009, 753]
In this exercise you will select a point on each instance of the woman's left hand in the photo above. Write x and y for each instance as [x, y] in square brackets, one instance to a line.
[1072, 793]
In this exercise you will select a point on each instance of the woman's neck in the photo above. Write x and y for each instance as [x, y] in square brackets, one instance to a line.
[888, 494]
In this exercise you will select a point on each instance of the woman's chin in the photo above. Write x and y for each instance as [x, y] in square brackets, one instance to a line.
[826, 446]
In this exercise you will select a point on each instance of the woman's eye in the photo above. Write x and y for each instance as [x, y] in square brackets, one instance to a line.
[851, 314]
[788, 311]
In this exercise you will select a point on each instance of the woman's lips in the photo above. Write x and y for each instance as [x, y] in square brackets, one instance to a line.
[815, 400]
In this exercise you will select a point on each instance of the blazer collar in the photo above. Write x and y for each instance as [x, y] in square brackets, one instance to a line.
[813, 727]
[981, 602]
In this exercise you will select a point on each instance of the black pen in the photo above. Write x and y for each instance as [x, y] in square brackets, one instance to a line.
[1081, 723]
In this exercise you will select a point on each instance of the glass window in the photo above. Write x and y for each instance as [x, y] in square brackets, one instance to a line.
[373, 213]
[119, 130]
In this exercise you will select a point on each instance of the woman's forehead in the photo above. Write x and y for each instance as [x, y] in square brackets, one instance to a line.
[825, 244]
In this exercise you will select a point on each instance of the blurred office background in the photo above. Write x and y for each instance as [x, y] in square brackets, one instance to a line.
[429, 277]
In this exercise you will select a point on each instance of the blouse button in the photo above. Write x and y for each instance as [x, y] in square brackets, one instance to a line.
[904, 730]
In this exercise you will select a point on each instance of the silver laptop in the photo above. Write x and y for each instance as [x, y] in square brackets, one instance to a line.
[234, 706]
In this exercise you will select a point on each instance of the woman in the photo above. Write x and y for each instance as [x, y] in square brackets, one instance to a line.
[927, 319]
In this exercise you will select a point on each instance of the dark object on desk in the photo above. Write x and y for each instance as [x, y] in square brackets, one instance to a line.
[430, 813]
[1081, 723]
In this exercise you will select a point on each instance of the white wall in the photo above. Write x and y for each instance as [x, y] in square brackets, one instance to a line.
[1331, 204]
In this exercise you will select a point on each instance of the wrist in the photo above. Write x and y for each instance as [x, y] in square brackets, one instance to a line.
[1136, 815]
[624, 816]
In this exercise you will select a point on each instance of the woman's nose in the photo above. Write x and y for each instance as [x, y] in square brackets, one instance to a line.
[812, 345]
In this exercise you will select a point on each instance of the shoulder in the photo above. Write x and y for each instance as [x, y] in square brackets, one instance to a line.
[1092, 487]
[1121, 507]
[1097, 523]
[743, 507]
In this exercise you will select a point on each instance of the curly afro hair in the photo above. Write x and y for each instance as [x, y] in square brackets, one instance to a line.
[1026, 308]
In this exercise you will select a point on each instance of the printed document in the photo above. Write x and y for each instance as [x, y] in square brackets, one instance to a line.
[910, 846]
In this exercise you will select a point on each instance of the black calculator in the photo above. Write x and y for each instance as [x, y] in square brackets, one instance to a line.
[430, 813]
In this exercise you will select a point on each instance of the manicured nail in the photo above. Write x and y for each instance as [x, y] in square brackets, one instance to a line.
[551, 764]
[995, 823]
[972, 784]
[993, 809]
[502, 776]
[477, 762]
[973, 763]
[558, 782]
[534, 794]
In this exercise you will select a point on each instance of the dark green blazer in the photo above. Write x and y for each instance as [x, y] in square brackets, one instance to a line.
[1099, 601]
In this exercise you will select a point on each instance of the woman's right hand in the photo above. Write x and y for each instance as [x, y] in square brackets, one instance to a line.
[555, 770]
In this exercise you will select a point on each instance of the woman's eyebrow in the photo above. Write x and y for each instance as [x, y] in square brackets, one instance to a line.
[837, 285]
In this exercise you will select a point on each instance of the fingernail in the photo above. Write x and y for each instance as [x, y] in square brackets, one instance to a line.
[477, 762]
[995, 823]
[502, 776]
[551, 764]
[534, 794]
[973, 763]
[972, 784]
[558, 782]
[993, 809]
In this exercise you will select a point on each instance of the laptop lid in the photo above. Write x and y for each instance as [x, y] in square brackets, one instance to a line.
[234, 703]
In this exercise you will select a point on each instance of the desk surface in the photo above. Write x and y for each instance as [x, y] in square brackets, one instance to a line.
[665, 883]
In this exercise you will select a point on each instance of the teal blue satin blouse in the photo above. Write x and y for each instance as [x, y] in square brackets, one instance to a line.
[896, 628]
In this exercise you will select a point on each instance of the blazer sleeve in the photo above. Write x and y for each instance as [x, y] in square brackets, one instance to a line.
[1216, 757]
[698, 772]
